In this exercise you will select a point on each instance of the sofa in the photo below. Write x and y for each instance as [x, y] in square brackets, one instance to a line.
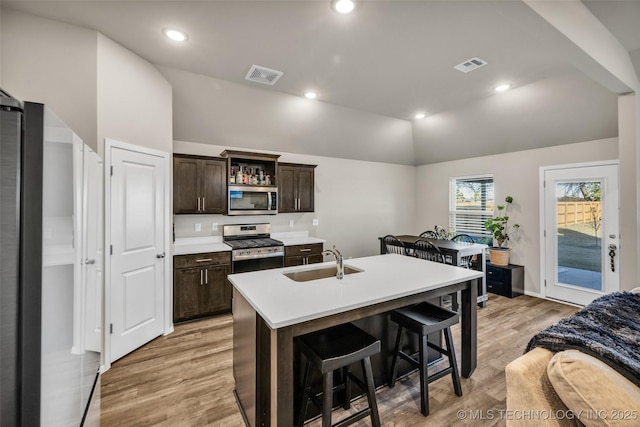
[572, 388]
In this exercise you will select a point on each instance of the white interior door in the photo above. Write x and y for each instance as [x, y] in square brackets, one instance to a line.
[581, 223]
[93, 245]
[137, 271]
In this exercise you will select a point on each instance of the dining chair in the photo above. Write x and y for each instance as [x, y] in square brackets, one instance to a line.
[429, 234]
[424, 249]
[393, 246]
[465, 261]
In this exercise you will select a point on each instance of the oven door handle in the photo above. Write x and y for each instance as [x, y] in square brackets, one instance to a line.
[269, 201]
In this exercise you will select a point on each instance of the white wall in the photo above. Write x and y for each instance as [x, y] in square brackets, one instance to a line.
[515, 174]
[629, 215]
[134, 100]
[214, 111]
[355, 202]
[52, 63]
[96, 86]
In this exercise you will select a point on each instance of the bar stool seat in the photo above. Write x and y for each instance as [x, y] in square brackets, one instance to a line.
[424, 319]
[336, 348]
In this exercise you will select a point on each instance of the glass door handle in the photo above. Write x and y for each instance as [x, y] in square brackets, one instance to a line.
[612, 255]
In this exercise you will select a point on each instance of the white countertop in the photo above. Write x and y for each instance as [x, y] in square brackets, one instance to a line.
[199, 245]
[292, 238]
[282, 302]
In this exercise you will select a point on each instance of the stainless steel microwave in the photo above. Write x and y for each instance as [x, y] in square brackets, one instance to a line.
[252, 200]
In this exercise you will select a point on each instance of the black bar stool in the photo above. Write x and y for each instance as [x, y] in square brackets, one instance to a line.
[424, 319]
[337, 348]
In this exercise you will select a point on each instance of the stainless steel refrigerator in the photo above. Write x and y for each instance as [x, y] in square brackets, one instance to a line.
[49, 350]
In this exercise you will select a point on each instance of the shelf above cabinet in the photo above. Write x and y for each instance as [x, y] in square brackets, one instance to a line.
[245, 168]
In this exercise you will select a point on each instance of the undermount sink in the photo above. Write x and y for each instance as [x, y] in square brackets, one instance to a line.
[319, 273]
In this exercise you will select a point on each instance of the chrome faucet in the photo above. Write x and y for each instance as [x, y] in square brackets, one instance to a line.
[339, 265]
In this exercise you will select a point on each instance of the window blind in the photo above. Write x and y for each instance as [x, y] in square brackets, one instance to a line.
[471, 204]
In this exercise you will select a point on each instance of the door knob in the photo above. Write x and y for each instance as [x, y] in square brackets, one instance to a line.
[160, 255]
[89, 261]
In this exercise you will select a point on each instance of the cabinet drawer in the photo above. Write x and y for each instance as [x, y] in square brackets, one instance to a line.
[195, 260]
[496, 274]
[497, 288]
[303, 250]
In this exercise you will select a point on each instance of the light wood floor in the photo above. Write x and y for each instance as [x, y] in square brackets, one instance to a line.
[185, 379]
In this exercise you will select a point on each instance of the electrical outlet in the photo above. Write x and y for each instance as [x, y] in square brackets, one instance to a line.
[198, 227]
[290, 223]
[214, 226]
[316, 221]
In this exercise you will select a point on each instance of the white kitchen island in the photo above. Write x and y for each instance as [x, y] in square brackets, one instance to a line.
[270, 309]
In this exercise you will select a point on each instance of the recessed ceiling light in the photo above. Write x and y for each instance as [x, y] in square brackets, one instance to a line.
[310, 95]
[175, 35]
[502, 88]
[419, 116]
[343, 6]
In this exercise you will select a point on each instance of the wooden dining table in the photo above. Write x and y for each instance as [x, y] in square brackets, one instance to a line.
[453, 252]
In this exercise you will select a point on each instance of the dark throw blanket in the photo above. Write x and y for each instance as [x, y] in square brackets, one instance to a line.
[608, 329]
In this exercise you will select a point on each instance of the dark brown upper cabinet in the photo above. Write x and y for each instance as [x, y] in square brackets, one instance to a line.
[199, 185]
[296, 187]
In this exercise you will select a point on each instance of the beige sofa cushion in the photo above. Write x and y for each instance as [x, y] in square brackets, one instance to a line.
[529, 393]
[595, 392]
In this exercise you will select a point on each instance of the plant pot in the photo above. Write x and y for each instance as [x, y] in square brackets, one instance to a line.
[499, 256]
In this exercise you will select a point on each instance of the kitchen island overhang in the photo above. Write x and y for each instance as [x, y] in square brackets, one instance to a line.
[270, 309]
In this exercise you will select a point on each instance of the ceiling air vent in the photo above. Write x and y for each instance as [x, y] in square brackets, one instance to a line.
[263, 75]
[470, 65]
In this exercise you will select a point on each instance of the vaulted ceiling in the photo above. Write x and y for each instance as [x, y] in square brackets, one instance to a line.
[388, 59]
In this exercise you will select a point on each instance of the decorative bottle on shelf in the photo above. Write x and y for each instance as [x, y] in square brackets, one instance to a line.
[245, 176]
[232, 176]
[239, 175]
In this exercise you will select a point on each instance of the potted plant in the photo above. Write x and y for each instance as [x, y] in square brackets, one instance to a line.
[500, 229]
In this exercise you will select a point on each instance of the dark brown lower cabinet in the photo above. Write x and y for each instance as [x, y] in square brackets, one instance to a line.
[302, 254]
[200, 285]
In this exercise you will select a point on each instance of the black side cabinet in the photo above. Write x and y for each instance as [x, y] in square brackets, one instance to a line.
[507, 280]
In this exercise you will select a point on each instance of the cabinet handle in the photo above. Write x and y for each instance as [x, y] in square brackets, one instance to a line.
[305, 250]
[198, 210]
[200, 277]
[206, 277]
[204, 260]
[203, 208]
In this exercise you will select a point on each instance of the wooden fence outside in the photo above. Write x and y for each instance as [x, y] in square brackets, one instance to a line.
[570, 213]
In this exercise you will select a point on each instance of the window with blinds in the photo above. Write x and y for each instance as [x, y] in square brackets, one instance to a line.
[471, 204]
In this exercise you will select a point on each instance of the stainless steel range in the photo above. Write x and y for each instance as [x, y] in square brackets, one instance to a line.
[252, 247]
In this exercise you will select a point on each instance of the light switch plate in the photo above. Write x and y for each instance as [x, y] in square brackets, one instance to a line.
[198, 227]
[316, 221]
[290, 223]
[214, 226]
